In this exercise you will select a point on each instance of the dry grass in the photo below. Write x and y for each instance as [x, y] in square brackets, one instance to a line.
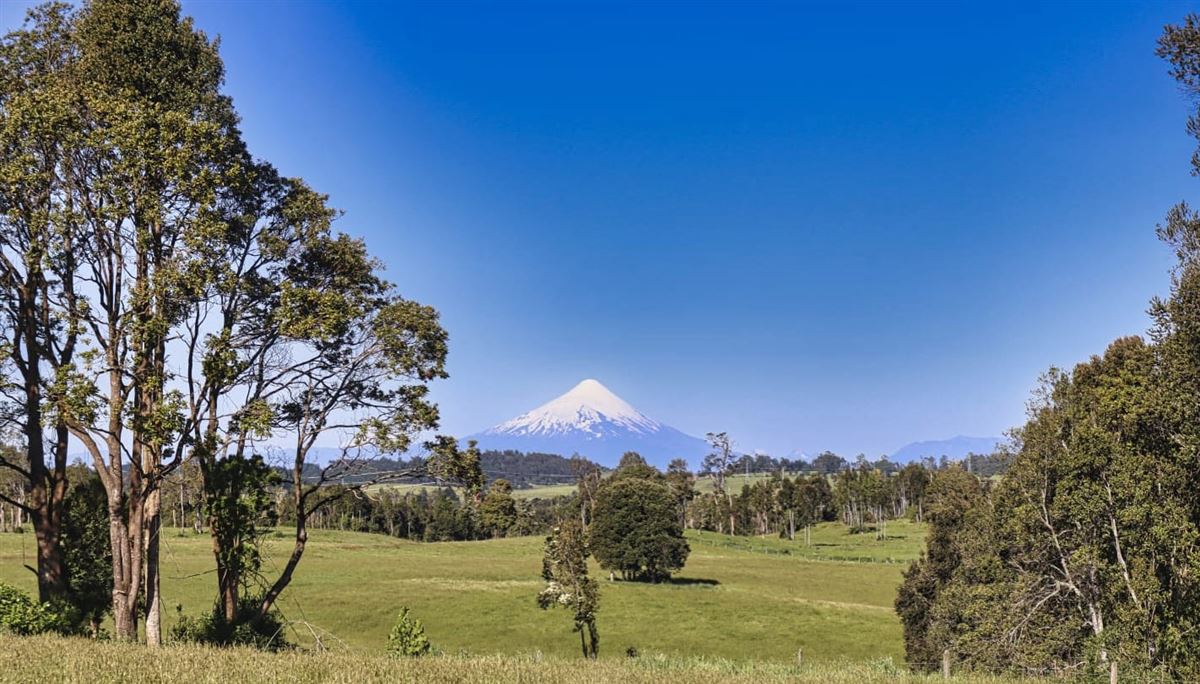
[49, 659]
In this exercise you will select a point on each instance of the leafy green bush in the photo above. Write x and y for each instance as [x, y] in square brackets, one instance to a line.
[408, 637]
[20, 614]
[87, 555]
[248, 629]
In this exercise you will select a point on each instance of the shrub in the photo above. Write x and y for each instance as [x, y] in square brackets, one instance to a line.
[249, 629]
[87, 555]
[408, 637]
[20, 614]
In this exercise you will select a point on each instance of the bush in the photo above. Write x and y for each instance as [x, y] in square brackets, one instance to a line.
[88, 555]
[20, 614]
[408, 637]
[249, 629]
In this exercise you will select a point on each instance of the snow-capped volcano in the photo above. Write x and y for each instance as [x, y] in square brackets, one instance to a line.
[588, 407]
[592, 421]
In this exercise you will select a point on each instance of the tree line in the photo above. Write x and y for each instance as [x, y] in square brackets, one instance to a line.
[864, 495]
[435, 514]
[830, 463]
[1085, 558]
[420, 507]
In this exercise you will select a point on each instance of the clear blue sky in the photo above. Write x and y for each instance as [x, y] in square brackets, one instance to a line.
[811, 225]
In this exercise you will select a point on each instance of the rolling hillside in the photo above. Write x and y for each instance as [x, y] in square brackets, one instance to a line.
[738, 598]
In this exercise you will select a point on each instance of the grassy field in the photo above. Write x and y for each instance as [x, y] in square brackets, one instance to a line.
[829, 542]
[52, 660]
[738, 598]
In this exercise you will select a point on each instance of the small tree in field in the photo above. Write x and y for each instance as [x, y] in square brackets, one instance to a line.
[565, 569]
[407, 637]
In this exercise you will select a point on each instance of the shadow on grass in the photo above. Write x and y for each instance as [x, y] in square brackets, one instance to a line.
[697, 581]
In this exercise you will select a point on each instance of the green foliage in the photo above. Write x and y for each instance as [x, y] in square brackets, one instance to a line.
[449, 521]
[87, 552]
[636, 528]
[449, 462]
[828, 463]
[952, 495]
[565, 569]
[498, 511]
[240, 509]
[1084, 553]
[249, 628]
[21, 615]
[633, 465]
[407, 638]
[683, 487]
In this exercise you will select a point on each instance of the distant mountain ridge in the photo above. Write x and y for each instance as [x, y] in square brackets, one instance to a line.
[955, 448]
[591, 421]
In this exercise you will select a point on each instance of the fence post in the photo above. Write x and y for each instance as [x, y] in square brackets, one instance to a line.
[799, 657]
[946, 664]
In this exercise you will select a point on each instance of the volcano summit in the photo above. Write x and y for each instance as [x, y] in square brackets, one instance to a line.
[591, 421]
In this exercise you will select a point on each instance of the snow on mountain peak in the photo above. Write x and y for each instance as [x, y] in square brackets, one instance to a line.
[588, 407]
[591, 421]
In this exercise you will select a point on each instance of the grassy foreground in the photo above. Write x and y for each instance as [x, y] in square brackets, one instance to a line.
[738, 598]
[50, 659]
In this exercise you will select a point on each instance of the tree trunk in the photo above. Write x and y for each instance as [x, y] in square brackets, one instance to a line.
[732, 524]
[285, 577]
[124, 619]
[153, 516]
[227, 579]
[46, 487]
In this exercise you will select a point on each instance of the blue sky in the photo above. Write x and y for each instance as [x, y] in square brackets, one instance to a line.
[842, 226]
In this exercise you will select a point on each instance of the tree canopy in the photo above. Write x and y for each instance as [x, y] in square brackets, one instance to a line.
[636, 529]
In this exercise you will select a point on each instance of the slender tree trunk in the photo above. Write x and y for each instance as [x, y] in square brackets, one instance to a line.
[285, 577]
[124, 624]
[227, 579]
[153, 596]
[732, 523]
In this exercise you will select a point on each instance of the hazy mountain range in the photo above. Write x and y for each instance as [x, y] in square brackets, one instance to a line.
[954, 448]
